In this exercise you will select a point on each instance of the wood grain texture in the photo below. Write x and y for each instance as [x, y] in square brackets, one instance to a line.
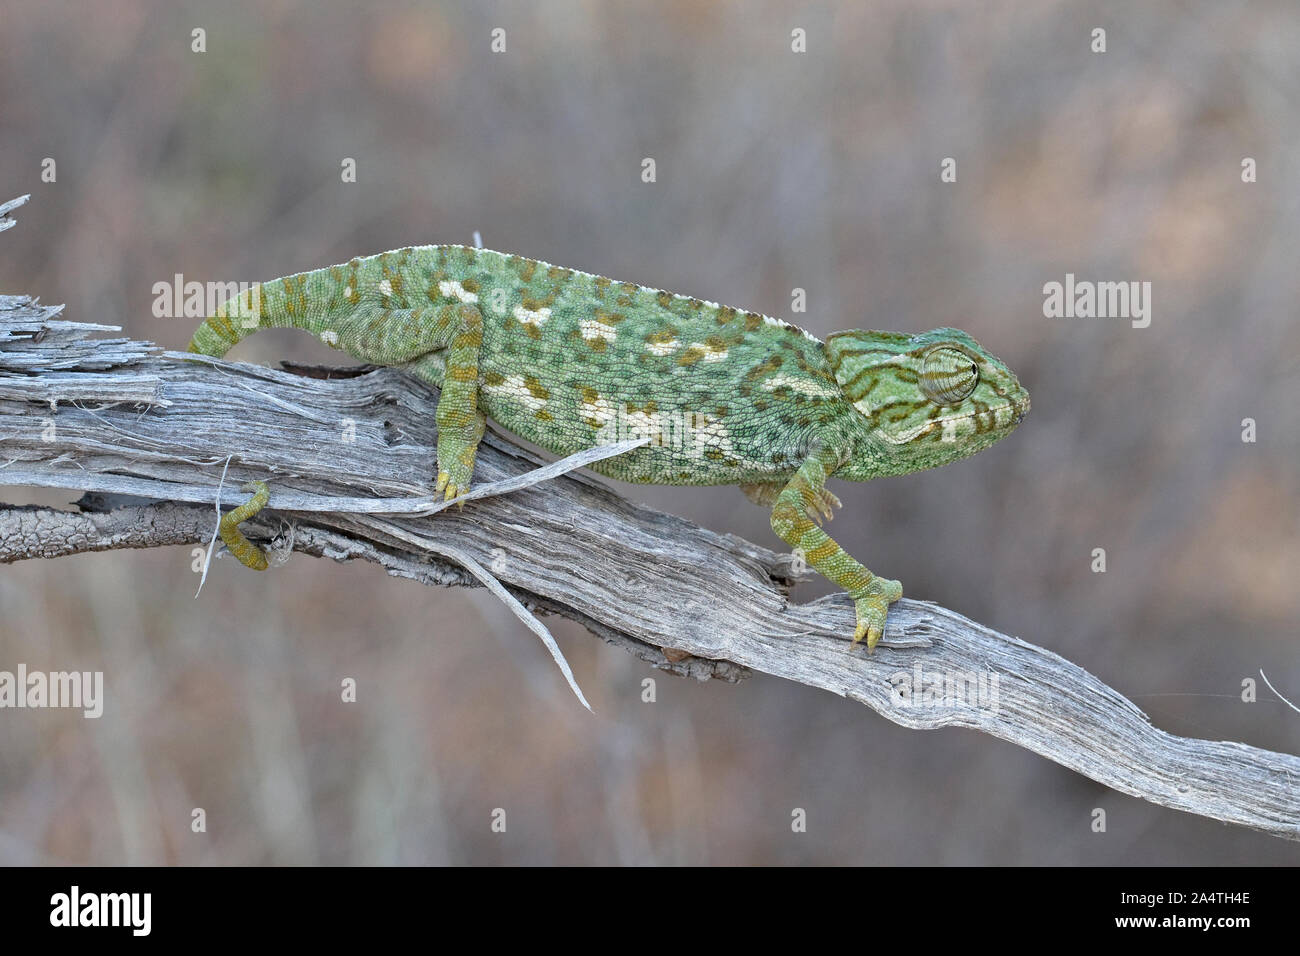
[113, 417]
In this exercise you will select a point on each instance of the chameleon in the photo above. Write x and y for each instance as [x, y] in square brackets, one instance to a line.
[570, 360]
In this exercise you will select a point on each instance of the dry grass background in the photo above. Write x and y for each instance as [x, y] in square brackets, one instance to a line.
[775, 170]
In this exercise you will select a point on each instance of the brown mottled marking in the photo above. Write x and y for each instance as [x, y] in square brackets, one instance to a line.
[769, 364]
[536, 388]
[534, 304]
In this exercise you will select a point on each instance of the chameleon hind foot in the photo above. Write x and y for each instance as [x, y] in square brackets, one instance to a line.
[449, 488]
[248, 554]
[872, 607]
[457, 448]
[823, 504]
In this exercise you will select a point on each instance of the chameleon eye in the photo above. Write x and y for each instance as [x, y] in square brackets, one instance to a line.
[948, 376]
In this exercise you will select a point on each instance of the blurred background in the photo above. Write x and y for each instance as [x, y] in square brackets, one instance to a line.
[775, 170]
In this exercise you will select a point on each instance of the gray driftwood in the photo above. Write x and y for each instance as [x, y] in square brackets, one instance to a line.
[144, 436]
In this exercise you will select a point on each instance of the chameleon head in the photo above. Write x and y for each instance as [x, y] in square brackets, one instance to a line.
[927, 399]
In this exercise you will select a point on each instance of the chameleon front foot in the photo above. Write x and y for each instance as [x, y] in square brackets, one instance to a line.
[872, 607]
[248, 554]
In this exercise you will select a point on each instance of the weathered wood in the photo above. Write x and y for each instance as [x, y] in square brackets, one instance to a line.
[116, 417]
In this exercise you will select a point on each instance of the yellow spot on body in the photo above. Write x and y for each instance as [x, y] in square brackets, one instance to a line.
[454, 290]
[709, 352]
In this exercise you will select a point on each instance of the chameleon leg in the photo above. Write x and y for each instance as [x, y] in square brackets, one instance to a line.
[454, 370]
[803, 494]
[249, 554]
[460, 423]
[441, 346]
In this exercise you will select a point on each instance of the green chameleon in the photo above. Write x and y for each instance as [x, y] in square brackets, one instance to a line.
[570, 360]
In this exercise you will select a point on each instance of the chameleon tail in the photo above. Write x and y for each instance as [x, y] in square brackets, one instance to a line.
[234, 319]
[262, 306]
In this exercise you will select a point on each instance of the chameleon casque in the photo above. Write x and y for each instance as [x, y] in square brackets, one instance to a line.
[569, 360]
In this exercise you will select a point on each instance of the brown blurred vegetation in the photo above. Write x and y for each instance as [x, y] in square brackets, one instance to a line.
[775, 170]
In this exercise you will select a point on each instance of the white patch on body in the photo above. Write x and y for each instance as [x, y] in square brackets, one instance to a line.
[662, 348]
[600, 411]
[385, 287]
[330, 338]
[454, 290]
[537, 317]
[592, 330]
[705, 433]
[515, 389]
[802, 385]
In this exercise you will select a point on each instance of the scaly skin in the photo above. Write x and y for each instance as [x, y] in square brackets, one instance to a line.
[570, 360]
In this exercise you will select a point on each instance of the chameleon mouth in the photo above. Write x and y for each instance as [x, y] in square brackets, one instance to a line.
[947, 423]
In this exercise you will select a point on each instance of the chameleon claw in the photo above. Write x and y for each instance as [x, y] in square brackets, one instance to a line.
[822, 507]
[449, 488]
[872, 635]
[872, 608]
